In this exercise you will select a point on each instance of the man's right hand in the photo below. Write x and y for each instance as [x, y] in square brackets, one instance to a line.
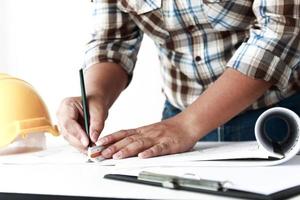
[103, 83]
[71, 120]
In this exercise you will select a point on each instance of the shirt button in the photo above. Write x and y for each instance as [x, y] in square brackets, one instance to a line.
[198, 58]
[191, 28]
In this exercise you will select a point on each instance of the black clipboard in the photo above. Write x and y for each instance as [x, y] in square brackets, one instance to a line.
[283, 194]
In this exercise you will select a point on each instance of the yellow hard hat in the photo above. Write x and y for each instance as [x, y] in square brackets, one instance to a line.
[22, 111]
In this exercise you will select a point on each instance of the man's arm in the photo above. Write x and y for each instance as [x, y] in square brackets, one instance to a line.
[105, 80]
[226, 98]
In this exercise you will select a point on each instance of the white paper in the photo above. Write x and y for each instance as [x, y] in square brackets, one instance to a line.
[206, 154]
[63, 154]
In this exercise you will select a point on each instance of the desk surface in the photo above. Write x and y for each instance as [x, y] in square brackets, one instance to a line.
[85, 179]
[80, 180]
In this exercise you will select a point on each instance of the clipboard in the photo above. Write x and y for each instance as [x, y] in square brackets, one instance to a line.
[204, 186]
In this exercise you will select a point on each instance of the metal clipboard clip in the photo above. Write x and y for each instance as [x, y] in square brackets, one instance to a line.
[176, 182]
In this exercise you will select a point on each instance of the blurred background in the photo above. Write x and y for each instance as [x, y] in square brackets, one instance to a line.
[42, 42]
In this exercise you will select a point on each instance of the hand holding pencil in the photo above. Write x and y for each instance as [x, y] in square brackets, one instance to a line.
[81, 119]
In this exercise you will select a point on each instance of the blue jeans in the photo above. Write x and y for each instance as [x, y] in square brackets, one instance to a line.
[241, 127]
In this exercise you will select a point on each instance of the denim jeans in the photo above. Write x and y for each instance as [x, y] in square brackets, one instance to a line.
[241, 127]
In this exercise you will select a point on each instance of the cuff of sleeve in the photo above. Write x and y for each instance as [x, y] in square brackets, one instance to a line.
[110, 56]
[259, 63]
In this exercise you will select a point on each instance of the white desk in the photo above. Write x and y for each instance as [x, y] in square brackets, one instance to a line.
[85, 179]
[80, 180]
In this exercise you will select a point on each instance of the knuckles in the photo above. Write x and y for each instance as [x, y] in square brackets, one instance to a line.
[68, 101]
[164, 146]
[140, 143]
[126, 152]
[112, 149]
[130, 139]
[149, 152]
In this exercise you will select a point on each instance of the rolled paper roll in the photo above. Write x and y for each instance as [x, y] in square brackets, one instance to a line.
[285, 140]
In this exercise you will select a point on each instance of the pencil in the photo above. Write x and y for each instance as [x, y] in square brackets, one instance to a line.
[86, 115]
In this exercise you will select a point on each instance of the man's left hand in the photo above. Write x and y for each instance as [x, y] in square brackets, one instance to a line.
[166, 137]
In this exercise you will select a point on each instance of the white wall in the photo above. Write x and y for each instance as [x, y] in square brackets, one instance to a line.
[3, 35]
[42, 41]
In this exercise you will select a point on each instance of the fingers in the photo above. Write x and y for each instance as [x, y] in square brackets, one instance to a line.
[96, 123]
[133, 148]
[154, 140]
[127, 143]
[114, 137]
[70, 119]
[70, 108]
[120, 139]
[128, 146]
[98, 114]
[156, 150]
[74, 134]
[68, 115]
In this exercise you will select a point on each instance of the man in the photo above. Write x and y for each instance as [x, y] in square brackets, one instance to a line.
[224, 62]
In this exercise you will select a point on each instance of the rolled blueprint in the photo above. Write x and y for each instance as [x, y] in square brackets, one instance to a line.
[287, 144]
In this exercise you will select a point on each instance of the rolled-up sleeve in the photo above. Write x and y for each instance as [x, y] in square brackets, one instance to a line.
[271, 52]
[115, 38]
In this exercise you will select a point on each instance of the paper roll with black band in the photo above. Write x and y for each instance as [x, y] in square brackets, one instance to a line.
[284, 140]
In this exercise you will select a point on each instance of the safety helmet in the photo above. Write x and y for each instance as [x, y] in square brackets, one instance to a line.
[22, 111]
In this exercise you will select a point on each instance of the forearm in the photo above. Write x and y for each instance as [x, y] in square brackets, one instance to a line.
[227, 97]
[105, 80]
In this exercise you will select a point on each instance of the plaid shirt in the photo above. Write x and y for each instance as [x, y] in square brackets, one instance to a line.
[199, 39]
